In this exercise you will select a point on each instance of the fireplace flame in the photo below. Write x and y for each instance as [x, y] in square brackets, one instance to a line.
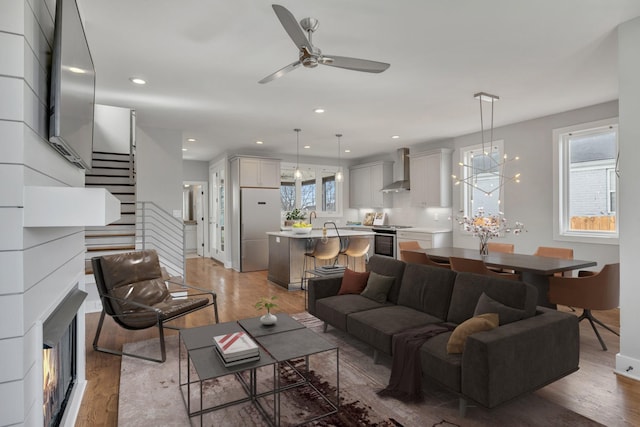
[50, 382]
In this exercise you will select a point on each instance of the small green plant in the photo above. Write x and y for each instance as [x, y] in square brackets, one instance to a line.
[266, 302]
[295, 215]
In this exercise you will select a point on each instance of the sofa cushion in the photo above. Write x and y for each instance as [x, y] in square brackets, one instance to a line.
[483, 322]
[388, 267]
[378, 326]
[427, 289]
[334, 309]
[468, 287]
[506, 314]
[439, 365]
[378, 287]
[353, 282]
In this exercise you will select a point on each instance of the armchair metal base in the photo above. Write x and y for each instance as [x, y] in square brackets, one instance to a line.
[586, 314]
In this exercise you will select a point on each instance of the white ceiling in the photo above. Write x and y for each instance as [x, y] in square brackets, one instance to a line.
[203, 59]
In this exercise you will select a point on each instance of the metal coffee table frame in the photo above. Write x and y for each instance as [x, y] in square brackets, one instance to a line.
[198, 346]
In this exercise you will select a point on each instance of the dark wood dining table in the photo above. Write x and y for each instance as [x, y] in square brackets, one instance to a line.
[533, 269]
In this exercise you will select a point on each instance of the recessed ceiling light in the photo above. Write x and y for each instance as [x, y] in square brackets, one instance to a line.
[347, 151]
[319, 110]
[259, 142]
[184, 149]
[138, 80]
[191, 140]
[395, 137]
[307, 146]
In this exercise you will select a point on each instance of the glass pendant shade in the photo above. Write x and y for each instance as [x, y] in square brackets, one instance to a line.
[297, 175]
[339, 176]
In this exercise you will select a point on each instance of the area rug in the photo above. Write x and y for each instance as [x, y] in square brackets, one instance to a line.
[150, 396]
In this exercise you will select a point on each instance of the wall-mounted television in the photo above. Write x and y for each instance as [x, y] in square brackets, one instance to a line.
[72, 95]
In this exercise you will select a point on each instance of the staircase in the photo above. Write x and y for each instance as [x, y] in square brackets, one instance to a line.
[116, 173]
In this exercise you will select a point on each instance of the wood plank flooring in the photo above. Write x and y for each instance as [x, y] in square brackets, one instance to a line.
[594, 391]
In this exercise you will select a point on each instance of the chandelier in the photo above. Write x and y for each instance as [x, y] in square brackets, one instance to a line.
[486, 172]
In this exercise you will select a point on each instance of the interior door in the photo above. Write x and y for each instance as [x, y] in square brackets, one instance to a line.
[217, 212]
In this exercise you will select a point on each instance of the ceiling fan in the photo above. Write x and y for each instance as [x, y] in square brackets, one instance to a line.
[310, 56]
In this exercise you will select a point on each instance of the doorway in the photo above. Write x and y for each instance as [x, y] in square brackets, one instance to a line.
[195, 207]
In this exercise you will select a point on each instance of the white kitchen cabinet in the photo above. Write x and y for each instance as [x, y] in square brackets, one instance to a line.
[430, 175]
[259, 173]
[426, 238]
[365, 183]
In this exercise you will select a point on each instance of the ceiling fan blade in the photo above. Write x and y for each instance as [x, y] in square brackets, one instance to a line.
[291, 26]
[354, 64]
[281, 72]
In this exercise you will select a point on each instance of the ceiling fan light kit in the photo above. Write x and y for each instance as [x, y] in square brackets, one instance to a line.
[310, 56]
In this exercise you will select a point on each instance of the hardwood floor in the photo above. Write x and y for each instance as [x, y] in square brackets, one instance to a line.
[594, 391]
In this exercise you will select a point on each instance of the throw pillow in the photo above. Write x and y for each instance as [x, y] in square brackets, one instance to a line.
[458, 338]
[506, 314]
[353, 282]
[378, 287]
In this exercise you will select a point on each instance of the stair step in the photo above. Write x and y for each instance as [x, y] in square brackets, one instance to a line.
[116, 189]
[108, 171]
[107, 180]
[111, 228]
[112, 249]
[93, 236]
[101, 155]
[109, 241]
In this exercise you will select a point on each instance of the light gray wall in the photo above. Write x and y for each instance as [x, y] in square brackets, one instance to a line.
[112, 129]
[159, 167]
[39, 265]
[629, 66]
[193, 170]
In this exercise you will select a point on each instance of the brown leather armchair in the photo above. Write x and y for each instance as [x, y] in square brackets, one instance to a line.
[589, 291]
[136, 295]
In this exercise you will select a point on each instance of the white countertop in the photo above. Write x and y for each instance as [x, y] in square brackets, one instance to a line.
[427, 230]
[317, 234]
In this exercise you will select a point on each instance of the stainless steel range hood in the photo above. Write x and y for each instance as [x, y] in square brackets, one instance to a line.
[401, 173]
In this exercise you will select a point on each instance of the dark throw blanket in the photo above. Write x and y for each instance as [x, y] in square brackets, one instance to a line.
[405, 382]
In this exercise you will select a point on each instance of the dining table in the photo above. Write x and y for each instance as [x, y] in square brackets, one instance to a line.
[533, 269]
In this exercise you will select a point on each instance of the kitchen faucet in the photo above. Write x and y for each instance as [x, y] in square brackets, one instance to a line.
[312, 215]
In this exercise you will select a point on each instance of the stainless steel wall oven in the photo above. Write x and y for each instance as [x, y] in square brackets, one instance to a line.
[384, 241]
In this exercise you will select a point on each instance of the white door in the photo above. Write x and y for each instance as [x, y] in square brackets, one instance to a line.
[216, 213]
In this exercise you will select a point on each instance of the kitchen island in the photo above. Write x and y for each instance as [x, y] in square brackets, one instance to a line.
[287, 249]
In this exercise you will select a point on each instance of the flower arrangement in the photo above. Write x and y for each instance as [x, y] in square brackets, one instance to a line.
[487, 226]
[295, 215]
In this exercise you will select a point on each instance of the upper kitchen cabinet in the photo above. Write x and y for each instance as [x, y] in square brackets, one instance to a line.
[259, 173]
[430, 174]
[365, 183]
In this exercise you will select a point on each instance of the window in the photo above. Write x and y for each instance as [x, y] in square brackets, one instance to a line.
[587, 182]
[316, 191]
[482, 172]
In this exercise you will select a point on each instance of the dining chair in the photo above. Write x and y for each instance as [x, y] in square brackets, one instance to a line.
[478, 267]
[554, 252]
[589, 291]
[501, 247]
[416, 257]
[421, 258]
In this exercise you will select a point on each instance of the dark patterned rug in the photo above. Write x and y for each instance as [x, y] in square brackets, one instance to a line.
[150, 396]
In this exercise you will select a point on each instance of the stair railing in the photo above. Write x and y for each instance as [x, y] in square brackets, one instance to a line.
[157, 229]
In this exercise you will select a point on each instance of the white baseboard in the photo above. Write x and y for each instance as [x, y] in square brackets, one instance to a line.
[628, 367]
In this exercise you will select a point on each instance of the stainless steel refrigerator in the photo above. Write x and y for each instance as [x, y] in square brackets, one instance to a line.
[259, 213]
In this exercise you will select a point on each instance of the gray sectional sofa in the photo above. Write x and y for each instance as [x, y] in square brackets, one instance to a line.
[537, 347]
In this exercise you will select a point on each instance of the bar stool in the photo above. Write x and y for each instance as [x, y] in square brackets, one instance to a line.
[356, 248]
[328, 250]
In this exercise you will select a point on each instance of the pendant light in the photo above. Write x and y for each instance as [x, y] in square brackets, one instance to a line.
[339, 176]
[298, 173]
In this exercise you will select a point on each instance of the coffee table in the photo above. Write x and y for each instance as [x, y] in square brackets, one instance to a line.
[198, 363]
[279, 344]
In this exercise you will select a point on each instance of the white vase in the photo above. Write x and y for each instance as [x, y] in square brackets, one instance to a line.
[268, 319]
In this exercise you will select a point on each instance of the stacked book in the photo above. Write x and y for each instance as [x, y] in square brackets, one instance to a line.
[236, 348]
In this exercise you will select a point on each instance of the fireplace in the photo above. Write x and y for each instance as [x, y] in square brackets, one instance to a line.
[59, 358]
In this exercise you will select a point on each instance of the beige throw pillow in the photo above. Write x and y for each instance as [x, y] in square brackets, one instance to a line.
[458, 338]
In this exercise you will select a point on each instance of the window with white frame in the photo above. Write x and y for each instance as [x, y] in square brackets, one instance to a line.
[317, 191]
[587, 157]
[481, 173]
